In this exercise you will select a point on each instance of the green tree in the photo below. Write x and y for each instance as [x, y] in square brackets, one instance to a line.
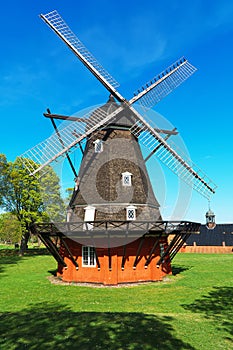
[53, 204]
[29, 198]
[10, 228]
[4, 167]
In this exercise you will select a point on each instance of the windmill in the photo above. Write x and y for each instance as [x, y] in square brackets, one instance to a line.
[115, 225]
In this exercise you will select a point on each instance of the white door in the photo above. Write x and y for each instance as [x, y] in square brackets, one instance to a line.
[89, 216]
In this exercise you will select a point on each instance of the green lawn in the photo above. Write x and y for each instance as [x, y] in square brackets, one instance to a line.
[193, 310]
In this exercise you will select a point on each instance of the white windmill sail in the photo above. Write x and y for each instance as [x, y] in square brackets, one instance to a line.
[164, 83]
[59, 26]
[153, 92]
[159, 87]
[172, 157]
[52, 149]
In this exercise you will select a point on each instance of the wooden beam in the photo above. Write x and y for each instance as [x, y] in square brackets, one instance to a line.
[168, 132]
[64, 117]
[160, 145]
[69, 253]
[123, 257]
[138, 251]
[52, 249]
[152, 250]
[80, 145]
[62, 143]
[97, 259]
[176, 250]
[109, 260]
[173, 243]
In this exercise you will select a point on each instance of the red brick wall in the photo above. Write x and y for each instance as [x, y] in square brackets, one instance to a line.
[207, 249]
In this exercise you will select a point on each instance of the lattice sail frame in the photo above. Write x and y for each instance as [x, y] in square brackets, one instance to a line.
[164, 83]
[171, 156]
[52, 149]
[150, 94]
[59, 26]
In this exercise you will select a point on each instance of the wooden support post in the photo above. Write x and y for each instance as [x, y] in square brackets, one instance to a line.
[170, 246]
[152, 251]
[138, 251]
[69, 253]
[109, 260]
[123, 257]
[80, 145]
[97, 259]
[172, 252]
[124, 247]
[52, 249]
[62, 143]
[183, 240]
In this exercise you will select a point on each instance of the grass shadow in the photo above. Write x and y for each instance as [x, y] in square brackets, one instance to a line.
[29, 252]
[36, 252]
[8, 257]
[12, 257]
[53, 272]
[176, 270]
[218, 306]
[51, 326]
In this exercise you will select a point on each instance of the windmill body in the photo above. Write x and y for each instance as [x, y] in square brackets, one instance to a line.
[113, 174]
[114, 232]
[114, 186]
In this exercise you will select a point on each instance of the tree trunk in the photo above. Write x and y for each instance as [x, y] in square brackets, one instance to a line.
[24, 242]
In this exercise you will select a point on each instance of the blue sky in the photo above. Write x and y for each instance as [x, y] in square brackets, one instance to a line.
[134, 40]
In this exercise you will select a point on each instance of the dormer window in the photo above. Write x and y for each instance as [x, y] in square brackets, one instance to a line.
[98, 146]
[126, 179]
[131, 212]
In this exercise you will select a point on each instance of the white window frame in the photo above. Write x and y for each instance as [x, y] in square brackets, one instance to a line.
[88, 256]
[128, 176]
[99, 146]
[131, 209]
